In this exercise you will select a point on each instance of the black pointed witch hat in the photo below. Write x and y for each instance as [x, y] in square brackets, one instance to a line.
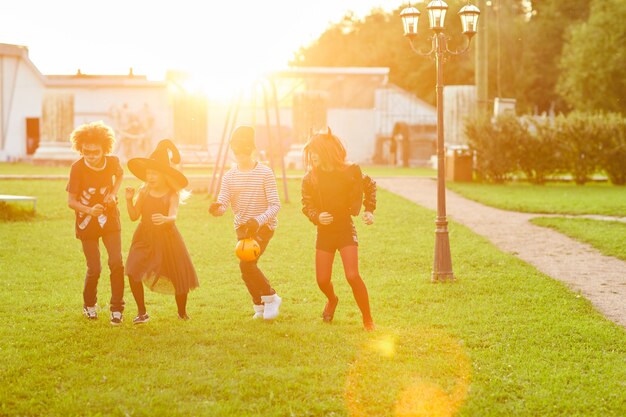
[160, 161]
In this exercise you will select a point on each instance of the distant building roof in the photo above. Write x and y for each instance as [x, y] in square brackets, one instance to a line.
[79, 79]
[299, 71]
[101, 80]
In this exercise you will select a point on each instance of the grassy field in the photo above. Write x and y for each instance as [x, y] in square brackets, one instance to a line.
[563, 198]
[608, 237]
[503, 340]
[373, 170]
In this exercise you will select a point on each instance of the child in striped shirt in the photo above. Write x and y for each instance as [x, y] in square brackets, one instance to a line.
[250, 188]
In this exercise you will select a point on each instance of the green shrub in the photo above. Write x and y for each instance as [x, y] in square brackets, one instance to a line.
[580, 137]
[613, 155]
[10, 213]
[580, 144]
[493, 145]
[538, 154]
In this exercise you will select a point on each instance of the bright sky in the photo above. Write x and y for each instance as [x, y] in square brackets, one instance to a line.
[217, 40]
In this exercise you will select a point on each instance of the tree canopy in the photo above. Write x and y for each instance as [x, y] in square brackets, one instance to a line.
[593, 64]
[524, 49]
[378, 41]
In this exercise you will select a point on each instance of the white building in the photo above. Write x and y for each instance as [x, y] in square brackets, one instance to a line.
[45, 108]
[358, 104]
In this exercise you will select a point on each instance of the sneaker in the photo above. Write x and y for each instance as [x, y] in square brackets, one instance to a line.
[329, 310]
[142, 318]
[90, 312]
[258, 311]
[272, 303]
[116, 318]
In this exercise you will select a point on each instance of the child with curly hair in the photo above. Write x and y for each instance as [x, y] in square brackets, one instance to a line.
[92, 193]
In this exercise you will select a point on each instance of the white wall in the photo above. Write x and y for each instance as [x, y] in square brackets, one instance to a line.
[217, 118]
[459, 102]
[395, 105]
[92, 104]
[22, 92]
[355, 127]
[357, 130]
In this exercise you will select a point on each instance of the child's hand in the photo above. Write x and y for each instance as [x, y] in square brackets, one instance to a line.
[110, 200]
[325, 218]
[130, 193]
[214, 209]
[159, 219]
[368, 218]
[96, 210]
[252, 226]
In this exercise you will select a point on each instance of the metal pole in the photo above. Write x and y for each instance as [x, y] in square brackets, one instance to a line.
[481, 60]
[442, 264]
[280, 139]
[219, 152]
[225, 155]
[270, 147]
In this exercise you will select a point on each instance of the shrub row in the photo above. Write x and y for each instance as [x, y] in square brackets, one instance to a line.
[578, 144]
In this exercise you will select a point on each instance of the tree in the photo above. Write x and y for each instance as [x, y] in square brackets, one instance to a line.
[377, 41]
[542, 40]
[594, 62]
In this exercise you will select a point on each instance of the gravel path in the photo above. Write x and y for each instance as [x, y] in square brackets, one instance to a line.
[600, 278]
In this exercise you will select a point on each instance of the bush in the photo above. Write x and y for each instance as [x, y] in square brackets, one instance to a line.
[10, 213]
[580, 144]
[538, 154]
[493, 145]
[613, 155]
[580, 137]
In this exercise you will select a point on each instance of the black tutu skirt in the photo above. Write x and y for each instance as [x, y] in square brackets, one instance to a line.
[159, 258]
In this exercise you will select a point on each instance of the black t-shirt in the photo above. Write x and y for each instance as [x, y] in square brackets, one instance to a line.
[90, 187]
[335, 188]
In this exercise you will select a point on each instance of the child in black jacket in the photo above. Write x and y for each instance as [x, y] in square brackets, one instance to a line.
[333, 191]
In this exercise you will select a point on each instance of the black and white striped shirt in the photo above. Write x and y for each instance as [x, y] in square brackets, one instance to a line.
[252, 194]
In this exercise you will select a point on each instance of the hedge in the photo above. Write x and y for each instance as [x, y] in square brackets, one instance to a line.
[578, 144]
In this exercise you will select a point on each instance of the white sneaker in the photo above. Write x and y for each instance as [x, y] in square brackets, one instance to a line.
[272, 303]
[258, 311]
[90, 312]
[116, 318]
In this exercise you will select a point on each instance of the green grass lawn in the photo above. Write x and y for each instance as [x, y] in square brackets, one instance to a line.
[560, 198]
[22, 168]
[608, 237]
[503, 340]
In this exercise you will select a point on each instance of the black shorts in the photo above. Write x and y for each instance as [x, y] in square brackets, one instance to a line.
[336, 238]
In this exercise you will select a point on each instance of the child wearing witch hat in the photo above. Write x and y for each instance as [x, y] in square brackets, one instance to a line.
[158, 256]
[250, 188]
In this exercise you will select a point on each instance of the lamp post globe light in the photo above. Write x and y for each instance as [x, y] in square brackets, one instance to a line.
[442, 264]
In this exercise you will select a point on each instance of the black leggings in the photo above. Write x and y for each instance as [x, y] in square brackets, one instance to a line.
[137, 289]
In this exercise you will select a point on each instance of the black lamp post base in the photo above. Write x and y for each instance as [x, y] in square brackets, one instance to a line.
[442, 265]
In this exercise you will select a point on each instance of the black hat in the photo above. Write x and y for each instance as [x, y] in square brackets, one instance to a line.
[243, 138]
[160, 161]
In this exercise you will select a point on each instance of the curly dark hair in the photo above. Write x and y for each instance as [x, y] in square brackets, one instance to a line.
[97, 133]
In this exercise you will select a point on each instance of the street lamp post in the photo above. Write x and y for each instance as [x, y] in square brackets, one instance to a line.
[442, 265]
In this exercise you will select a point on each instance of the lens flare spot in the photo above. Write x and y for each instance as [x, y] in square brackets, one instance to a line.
[424, 399]
[418, 372]
[385, 346]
